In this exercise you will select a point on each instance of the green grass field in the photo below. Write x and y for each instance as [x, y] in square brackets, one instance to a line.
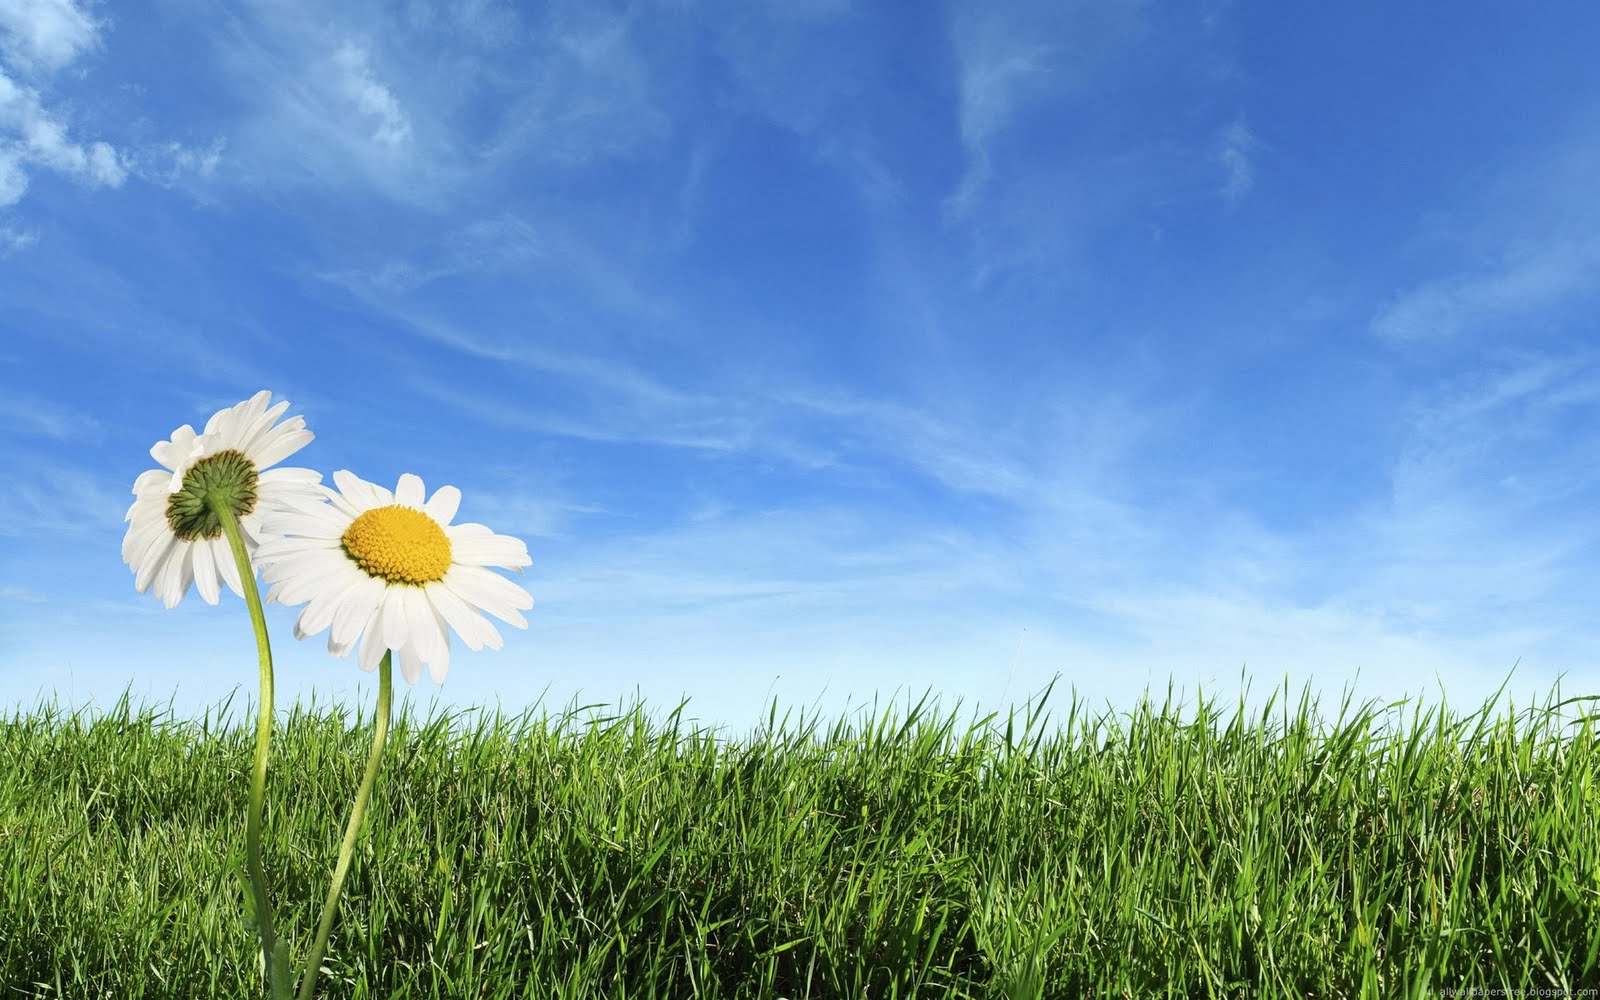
[1386, 852]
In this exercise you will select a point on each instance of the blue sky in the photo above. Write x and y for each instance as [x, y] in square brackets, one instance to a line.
[818, 348]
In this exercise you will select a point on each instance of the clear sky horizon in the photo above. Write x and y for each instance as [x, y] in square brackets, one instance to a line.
[820, 349]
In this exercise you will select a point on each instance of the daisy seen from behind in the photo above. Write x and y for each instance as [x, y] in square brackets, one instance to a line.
[390, 570]
[197, 520]
[175, 532]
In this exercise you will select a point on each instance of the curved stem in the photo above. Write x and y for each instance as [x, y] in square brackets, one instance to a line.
[352, 829]
[258, 777]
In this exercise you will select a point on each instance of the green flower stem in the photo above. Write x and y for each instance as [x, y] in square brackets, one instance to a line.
[272, 963]
[358, 810]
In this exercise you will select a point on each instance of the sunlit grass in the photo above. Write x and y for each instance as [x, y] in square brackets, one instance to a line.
[1391, 851]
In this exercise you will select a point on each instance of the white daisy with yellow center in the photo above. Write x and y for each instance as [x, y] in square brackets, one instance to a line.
[391, 570]
[174, 535]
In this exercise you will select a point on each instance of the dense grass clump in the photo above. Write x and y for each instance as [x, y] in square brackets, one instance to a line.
[1385, 854]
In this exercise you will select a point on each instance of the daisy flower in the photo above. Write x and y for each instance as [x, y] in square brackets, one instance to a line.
[174, 538]
[390, 570]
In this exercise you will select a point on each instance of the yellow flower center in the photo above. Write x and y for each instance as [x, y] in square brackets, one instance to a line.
[398, 544]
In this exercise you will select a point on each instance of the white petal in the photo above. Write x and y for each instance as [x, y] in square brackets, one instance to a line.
[141, 532]
[292, 475]
[442, 507]
[372, 647]
[227, 565]
[342, 505]
[174, 454]
[468, 531]
[143, 509]
[410, 491]
[302, 500]
[439, 669]
[176, 575]
[304, 570]
[131, 536]
[473, 628]
[304, 577]
[439, 665]
[236, 427]
[276, 504]
[320, 611]
[150, 562]
[278, 548]
[311, 521]
[394, 633]
[426, 627]
[485, 548]
[279, 447]
[355, 614]
[151, 482]
[228, 422]
[220, 423]
[410, 664]
[205, 572]
[413, 605]
[261, 432]
[339, 649]
[362, 495]
[491, 592]
[256, 404]
[254, 534]
[253, 413]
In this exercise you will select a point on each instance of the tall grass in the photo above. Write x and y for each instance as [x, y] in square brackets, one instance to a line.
[1393, 851]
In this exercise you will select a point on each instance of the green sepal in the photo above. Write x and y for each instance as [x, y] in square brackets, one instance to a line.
[228, 478]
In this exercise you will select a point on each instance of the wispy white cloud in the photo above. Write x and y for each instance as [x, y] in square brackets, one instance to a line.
[45, 35]
[631, 417]
[1475, 533]
[905, 435]
[1525, 280]
[516, 503]
[355, 79]
[995, 79]
[38, 138]
[614, 375]
[799, 427]
[792, 63]
[38, 40]
[1013, 58]
[803, 563]
[12, 240]
[25, 413]
[867, 171]
[491, 24]
[170, 164]
[424, 103]
[12, 593]
[1204, 642]
[550, 252]
[1477, 540]
[1235, 144]
[340, 102]
[815, 69]
[1513, 254]
[56, 498]
[589, 91]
